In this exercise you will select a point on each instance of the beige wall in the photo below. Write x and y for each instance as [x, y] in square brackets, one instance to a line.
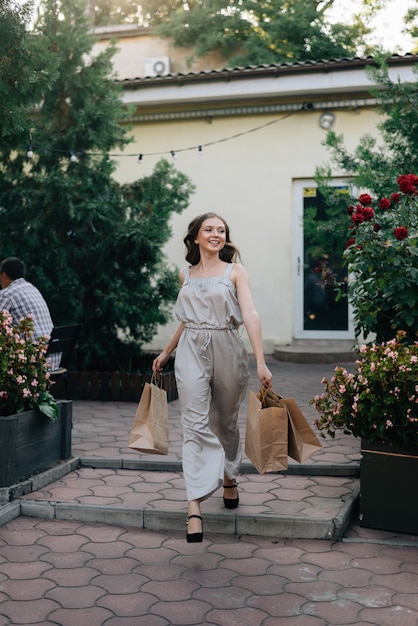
[249, 181]
[135, 46]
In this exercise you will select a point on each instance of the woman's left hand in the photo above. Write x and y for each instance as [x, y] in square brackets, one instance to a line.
[264, 375]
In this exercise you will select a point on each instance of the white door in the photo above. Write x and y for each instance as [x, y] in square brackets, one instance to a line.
[318, 315]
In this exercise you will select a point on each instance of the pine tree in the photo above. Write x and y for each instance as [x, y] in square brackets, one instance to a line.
[93, 247]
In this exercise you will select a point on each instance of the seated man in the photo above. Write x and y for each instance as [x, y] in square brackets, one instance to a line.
[22, 299]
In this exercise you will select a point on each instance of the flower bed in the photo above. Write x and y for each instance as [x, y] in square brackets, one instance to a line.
[379, 400]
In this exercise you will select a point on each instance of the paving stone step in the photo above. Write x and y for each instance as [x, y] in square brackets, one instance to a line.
[271, 505]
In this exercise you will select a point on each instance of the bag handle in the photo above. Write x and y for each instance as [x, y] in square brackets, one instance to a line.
[265, 394]
[157, 379]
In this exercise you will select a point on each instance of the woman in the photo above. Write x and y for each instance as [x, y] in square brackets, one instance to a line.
[211, 363]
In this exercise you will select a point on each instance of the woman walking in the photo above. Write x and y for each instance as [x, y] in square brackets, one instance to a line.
[211, 363]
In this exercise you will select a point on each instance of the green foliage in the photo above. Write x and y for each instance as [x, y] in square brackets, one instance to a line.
[382, 257]
[107, 12]
[379, 401]
[384, 285]
[26, 70]
[92, 246]
[247, 32]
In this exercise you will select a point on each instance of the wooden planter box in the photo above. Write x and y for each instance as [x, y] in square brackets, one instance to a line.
[31, 443]
[388, 488]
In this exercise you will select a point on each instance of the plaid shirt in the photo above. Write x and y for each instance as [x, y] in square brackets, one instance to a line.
[22, 299]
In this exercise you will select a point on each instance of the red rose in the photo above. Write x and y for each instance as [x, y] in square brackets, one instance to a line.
[385, 203]
[408, 184]
[368, 213]
[376, 227]
[350, 242]
[357, 218]
[401, 233]
[350, 209]
[365, 199]
[395, 197]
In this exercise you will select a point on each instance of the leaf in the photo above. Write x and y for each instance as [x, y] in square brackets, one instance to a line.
[50, 410]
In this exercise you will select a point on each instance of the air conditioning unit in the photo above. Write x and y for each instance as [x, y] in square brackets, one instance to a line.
[157, 66]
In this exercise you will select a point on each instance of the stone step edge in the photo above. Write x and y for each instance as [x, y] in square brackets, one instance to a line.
[38, 481]
[288, 354]
[350, 470]
[263, 525]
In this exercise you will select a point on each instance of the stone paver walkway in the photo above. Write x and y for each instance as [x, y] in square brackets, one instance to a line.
[60, 565]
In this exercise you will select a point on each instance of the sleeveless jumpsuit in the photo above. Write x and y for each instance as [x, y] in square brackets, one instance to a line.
[211, 368]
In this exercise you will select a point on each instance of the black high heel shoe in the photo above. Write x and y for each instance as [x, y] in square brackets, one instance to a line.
[194, 537]
[231, 503]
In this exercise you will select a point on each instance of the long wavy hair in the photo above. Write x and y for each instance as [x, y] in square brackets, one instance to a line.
[229, 252]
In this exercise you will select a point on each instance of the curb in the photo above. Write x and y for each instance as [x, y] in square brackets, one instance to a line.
[264, 525]
[350, 470]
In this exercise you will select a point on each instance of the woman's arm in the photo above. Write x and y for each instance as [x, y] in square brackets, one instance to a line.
[162, 358]
[251, 321]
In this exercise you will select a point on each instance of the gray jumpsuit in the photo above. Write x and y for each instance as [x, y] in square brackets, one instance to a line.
[211, 369]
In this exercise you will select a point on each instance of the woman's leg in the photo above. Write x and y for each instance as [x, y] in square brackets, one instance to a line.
[194, 524]
[203, 456]
[231, 491]
[229, 387]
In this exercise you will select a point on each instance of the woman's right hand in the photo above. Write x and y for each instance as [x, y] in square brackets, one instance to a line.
[159, 362]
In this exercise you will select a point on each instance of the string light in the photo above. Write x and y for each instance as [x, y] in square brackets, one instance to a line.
[174, 153]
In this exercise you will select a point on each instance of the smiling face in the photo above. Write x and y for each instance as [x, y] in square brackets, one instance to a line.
[212, 235]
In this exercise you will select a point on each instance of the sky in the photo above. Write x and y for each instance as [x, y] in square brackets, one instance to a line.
[388, 26]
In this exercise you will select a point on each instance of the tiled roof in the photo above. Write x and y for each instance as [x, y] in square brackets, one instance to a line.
[272, 69]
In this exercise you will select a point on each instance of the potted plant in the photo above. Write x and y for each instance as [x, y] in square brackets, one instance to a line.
[378, 401]
[35, 430]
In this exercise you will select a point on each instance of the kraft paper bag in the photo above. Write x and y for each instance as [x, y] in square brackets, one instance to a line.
[266, 436]
[303, 442]
[149, 432]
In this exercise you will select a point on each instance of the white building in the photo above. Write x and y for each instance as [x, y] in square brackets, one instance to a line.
[249, 139]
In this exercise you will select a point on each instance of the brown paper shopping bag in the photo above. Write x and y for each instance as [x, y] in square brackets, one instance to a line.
[149, 432]
[266, 436]
[303, 442]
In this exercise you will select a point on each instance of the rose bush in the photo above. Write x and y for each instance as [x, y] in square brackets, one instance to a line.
[24, 377]
[382, 257]
[379, 400]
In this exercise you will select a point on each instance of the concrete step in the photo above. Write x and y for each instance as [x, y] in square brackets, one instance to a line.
[317, 351]
[285, 504]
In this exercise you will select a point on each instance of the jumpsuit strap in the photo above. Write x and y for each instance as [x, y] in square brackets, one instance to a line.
[228, 270]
